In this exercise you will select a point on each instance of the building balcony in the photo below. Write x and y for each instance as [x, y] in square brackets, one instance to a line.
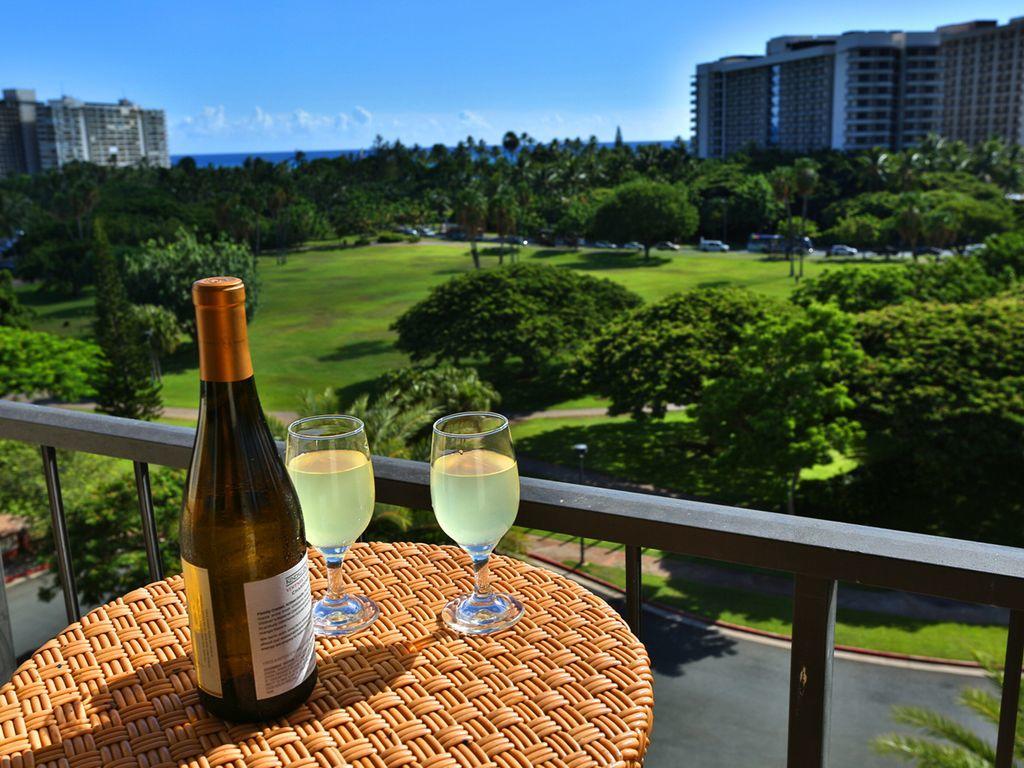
[817, 553]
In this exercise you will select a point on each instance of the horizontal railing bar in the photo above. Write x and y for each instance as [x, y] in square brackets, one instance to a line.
[951, 568]
[70, 430]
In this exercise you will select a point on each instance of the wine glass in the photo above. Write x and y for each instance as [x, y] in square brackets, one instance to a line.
[328, 459]
[474, 489]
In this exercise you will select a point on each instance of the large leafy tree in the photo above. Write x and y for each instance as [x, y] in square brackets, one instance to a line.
[860, 231]
[36, 363]
[528, 312]
[13, 313]
[661, 354]
[162, 273]
[125, 385]
[861, 289]
[645, 211]
[1004, 253]
[106, 534]
[940, 394]
[782, 405]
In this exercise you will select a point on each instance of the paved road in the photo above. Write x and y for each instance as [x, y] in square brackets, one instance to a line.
[33, 622]
[720, 700]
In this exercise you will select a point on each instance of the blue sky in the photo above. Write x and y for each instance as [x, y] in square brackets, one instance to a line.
[323, 74]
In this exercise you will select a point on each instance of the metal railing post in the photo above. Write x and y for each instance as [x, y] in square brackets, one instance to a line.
[810, 672]
[60, 534]
[149, 535]
[1009, 707]
[634, 588]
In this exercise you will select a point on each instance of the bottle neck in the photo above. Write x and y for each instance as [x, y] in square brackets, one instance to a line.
[223, 344]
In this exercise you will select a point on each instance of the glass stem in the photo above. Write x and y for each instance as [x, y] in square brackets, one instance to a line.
[481, 578]
[335, 579]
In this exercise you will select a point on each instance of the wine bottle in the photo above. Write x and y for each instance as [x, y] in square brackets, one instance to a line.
[243, 544]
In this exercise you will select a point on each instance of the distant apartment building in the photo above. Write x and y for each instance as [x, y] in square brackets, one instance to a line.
[37, 136]
[983, 73]
[849, 91]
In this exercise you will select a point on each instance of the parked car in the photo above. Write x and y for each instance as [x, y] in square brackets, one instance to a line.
[604, 244]
[667, 245]
[842, 250]
[514, 240]
[927, 250]
[888, 250]
[713, 245]
[633, 245]
[973, 248]
[409, 231]
[428, 232]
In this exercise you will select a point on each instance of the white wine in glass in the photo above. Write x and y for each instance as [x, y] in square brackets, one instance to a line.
[328, 459]
[474, 489]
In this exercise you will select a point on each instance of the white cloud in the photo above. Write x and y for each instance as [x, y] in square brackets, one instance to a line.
[216, 122]
[362, 115]
[473, 120]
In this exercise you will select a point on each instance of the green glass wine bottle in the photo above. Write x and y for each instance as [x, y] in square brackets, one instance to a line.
[243, 545]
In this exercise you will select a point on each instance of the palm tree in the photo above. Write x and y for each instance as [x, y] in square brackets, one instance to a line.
[947, 743]
[510, 142]
[910, 222]
[471, 214]
[805, 184]
[783, 184]
[876, 166]
[503, 210]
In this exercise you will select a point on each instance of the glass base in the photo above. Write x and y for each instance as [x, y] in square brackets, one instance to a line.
[351, 613]
[472, 615]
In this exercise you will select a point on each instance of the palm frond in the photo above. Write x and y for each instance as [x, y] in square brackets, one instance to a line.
[982, 702]
[942, 727]
[315, 403]
[928, 754]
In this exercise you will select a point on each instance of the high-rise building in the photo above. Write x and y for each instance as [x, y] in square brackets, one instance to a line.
[983, 72]
[35, 136]
[849, 91]
[19, 144]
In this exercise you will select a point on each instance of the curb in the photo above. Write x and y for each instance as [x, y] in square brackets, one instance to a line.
[16, 578]
[708, 621]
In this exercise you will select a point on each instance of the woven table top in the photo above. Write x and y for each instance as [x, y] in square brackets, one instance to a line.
[569, 685]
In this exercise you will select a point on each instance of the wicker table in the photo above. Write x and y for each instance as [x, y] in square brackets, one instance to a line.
[568, 686]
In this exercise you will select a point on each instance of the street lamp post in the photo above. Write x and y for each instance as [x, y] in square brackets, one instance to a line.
[581, 451]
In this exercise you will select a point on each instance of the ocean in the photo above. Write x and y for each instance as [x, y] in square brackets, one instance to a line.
[236, 159]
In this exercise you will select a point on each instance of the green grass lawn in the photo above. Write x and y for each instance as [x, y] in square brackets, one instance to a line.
[324, 316]
[877, 631]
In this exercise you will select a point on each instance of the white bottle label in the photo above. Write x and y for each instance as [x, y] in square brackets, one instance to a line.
[200, 622]
[280, 616]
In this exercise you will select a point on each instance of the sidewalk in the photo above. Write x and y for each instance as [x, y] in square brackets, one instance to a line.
[902, 604]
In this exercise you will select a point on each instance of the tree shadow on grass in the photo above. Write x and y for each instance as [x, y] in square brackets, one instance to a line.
[715, 284]
[185, 358]
[521, 392]
[665, 454]
[547, 253]
[356, 349]
[593, 260]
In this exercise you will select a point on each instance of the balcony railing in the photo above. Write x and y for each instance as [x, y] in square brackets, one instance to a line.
[818, 553]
